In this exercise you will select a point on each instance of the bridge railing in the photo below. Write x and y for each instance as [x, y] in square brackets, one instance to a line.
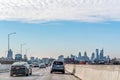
[4, 68]
[95, 72]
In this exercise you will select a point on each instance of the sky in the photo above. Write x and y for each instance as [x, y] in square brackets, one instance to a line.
[50, 28]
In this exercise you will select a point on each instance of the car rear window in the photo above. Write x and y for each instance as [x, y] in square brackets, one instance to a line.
[18, 63]
[58, 63]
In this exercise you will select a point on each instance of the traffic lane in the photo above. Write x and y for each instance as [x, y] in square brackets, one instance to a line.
[40, 74]
[59, 76]
[6, 76]
[46, 75]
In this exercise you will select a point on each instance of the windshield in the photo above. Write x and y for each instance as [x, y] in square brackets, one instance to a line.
[58, 63]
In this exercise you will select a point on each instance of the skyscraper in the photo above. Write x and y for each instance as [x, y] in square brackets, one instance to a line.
[86, 58]
[72, 56]
[25, 57]
[97, 54]
[79, 55]
[18, 57]
[108, 59]
[101, 54]
[61, 58]
[10, 54]
[85, 54]
[93, 56]
[32, 59]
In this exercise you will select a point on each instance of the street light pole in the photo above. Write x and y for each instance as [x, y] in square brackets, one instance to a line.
[9, 39]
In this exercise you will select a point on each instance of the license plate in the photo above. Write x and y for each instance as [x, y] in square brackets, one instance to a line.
[17, 68]
[57, 66]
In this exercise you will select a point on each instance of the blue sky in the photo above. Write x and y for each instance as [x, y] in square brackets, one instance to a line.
[50, 39]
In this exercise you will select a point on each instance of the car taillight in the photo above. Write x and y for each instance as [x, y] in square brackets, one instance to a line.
[12, 67]
[23, 67]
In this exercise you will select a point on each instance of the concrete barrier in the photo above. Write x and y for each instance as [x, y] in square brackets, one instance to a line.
[4, 68]
[95, 72]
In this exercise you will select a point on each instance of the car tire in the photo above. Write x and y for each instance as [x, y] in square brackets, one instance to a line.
[11, 74]
[51, 72]
[31, 73]
[63, 72]
[27, 74]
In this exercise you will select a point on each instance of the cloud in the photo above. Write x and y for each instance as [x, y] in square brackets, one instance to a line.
[52, 10]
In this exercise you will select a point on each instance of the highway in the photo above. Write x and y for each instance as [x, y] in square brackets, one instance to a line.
[39, 74]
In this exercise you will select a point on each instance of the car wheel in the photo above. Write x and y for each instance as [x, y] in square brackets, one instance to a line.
[51, 72]
[31, 73]
[27, 74]
[11, 74]
[63, 72]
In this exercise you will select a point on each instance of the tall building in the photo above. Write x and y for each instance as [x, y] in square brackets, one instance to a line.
[73, 56]
[25, 57]
[45, 60]
[108, 59]
[79, 55]
[10, 54]
[97, 54]
[61, 58]
[36, 60]
[85, 54]
[93, 56]
[32, 59]
[101, 54]
[18, 57]
[86, 58]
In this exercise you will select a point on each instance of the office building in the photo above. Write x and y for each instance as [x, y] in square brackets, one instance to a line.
[10, 54]
[93, 56]
[79, 55]
[32, 59]
[61, 58]
[97, 54]
[18, 57]
[25, 57]
[102, 54]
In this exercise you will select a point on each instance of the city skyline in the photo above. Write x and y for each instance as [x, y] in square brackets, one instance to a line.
[65, 37]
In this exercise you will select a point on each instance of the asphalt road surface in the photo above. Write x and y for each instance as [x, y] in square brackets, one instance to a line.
[39, 74]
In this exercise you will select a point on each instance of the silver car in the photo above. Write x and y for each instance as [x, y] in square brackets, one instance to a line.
[42, 65]
[58, 66]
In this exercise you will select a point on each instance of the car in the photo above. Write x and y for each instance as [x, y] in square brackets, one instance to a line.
[20, 68]
[101, 62]
[58, 66]
[42, 65]
[35, 64]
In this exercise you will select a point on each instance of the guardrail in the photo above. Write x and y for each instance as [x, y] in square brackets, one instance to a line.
[4, 68]
[95, 72]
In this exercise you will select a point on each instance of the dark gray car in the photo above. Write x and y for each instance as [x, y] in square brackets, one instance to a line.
[20, 68]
